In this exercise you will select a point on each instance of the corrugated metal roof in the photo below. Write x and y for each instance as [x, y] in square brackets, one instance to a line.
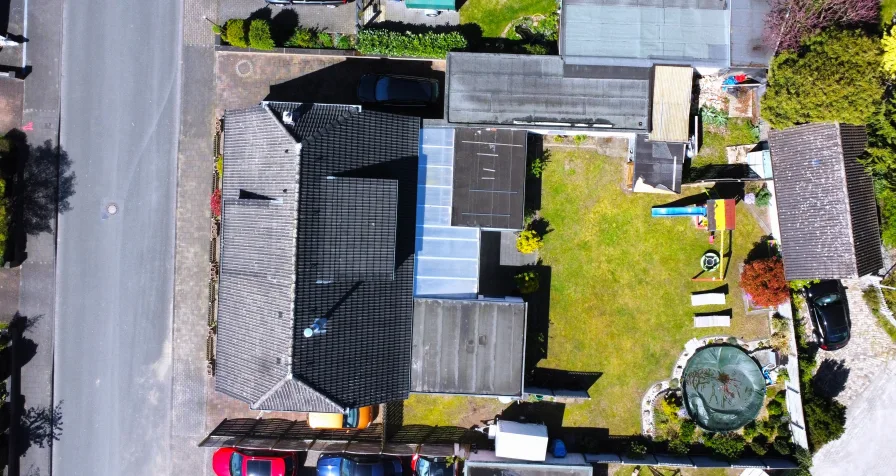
[497, 89]
[826, 207]
[446, 257]
[625, 32]
[473, 347]
[672, 89]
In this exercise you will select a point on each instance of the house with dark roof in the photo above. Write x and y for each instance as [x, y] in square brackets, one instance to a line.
[825, 201]
[315, 298]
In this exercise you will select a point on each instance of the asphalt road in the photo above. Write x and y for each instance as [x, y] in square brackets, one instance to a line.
[120, 97]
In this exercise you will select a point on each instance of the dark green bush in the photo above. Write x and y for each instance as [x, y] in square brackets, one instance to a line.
[763, 197]
[757, 448]
[750, 430]
[260, 35]
[636, 450]
[679, 447]
[420, 45]
[686, 431]
[836, 76]
[536, 49]
[302, 38]
[235, 33]
[886, 200]
[774, 407]
[728, 446]
[344, 42]
[766, 428]
[825, 418]
[325, 40]
[782, 446]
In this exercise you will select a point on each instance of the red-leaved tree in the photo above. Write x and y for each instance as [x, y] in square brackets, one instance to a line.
[216, 203]
[763, 280]
[791, 21]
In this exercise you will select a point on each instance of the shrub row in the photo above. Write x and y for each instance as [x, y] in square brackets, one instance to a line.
[419, 45]
[257, 35]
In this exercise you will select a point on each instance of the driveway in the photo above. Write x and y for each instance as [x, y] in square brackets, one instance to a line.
[245, 79]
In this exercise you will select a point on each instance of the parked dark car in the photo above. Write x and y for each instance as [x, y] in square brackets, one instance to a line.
[829, 313]
[306, 2]
[397, 90]
[238, 462]
[357, 465]
[432, 466]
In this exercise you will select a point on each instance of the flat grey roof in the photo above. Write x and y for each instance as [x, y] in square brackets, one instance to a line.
[482, 468]
[496, 89]
[472, 347]
[747, 25]
[643, 32]
[489, 178]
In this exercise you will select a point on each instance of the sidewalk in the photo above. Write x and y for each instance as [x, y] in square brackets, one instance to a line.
[37, 292]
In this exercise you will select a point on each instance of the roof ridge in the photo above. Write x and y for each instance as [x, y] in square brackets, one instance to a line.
[290, 378]
[339, 121]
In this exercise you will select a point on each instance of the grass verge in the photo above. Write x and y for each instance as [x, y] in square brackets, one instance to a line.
[872, 298]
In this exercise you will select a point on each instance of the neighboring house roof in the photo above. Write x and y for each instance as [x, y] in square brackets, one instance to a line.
[470, 347]
[825, 200]
[748, 48]
[671, 108]
[627, 33]
[657, 165]
[296, 194]
[501, 89]
[489, 178]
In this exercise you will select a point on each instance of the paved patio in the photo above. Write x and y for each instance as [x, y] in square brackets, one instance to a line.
[244, 79]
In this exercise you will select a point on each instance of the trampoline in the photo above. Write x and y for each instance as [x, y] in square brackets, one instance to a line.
[723, 388]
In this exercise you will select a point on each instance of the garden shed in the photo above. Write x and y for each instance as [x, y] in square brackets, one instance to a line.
[826, 206]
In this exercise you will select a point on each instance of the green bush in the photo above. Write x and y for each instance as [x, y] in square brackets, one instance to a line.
[420, 45]
[219, 165]
[758, 448]
[750, 430]
[763, 197]
[728, 446]
[325, 40]
[886, 200]
[527, 281]
[302, 38]
[536, 49]
[260, 35]
[579, 139]
[766, 428]
[344, 42]
[636, 450]
[799, 284]
[774, 408]
[836, 76]
[687, 430]
[781, 396]
[880, 156]
[825, 419]
[678, 447]
[235, 33]
[713, 117]
[782, 446]
[538, 164]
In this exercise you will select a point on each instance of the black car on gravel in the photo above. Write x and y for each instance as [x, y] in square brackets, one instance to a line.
[829, 313]
[397, 90]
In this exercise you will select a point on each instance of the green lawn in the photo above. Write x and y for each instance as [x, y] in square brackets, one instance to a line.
[494, 15]
[449, 411]
[620, 285]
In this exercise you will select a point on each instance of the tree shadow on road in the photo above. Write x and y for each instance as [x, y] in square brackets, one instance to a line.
[39, 184]
[830, 378]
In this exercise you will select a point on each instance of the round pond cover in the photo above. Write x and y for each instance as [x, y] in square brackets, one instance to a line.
[723, 388]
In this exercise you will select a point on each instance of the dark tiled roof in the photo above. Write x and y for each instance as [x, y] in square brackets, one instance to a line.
[355, 229]
[471, 347]
[489, 178]
[826, 207]
[269, 290]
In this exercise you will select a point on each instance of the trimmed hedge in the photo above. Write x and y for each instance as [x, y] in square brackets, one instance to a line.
[418, 45]
[260, 35]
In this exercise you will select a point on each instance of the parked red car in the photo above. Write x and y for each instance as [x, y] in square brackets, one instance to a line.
[234, 462]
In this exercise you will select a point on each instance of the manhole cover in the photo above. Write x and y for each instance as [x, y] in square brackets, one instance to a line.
[244, 68]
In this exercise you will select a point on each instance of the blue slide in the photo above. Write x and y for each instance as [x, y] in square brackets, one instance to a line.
[678, 211]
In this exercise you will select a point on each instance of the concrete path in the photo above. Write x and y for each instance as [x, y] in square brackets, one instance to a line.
[120, 103]
[867, 445]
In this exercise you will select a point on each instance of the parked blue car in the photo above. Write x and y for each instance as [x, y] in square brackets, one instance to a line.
[357, 465]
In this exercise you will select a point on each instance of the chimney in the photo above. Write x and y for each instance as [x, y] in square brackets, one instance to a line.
[318, 327]
[287, 118]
